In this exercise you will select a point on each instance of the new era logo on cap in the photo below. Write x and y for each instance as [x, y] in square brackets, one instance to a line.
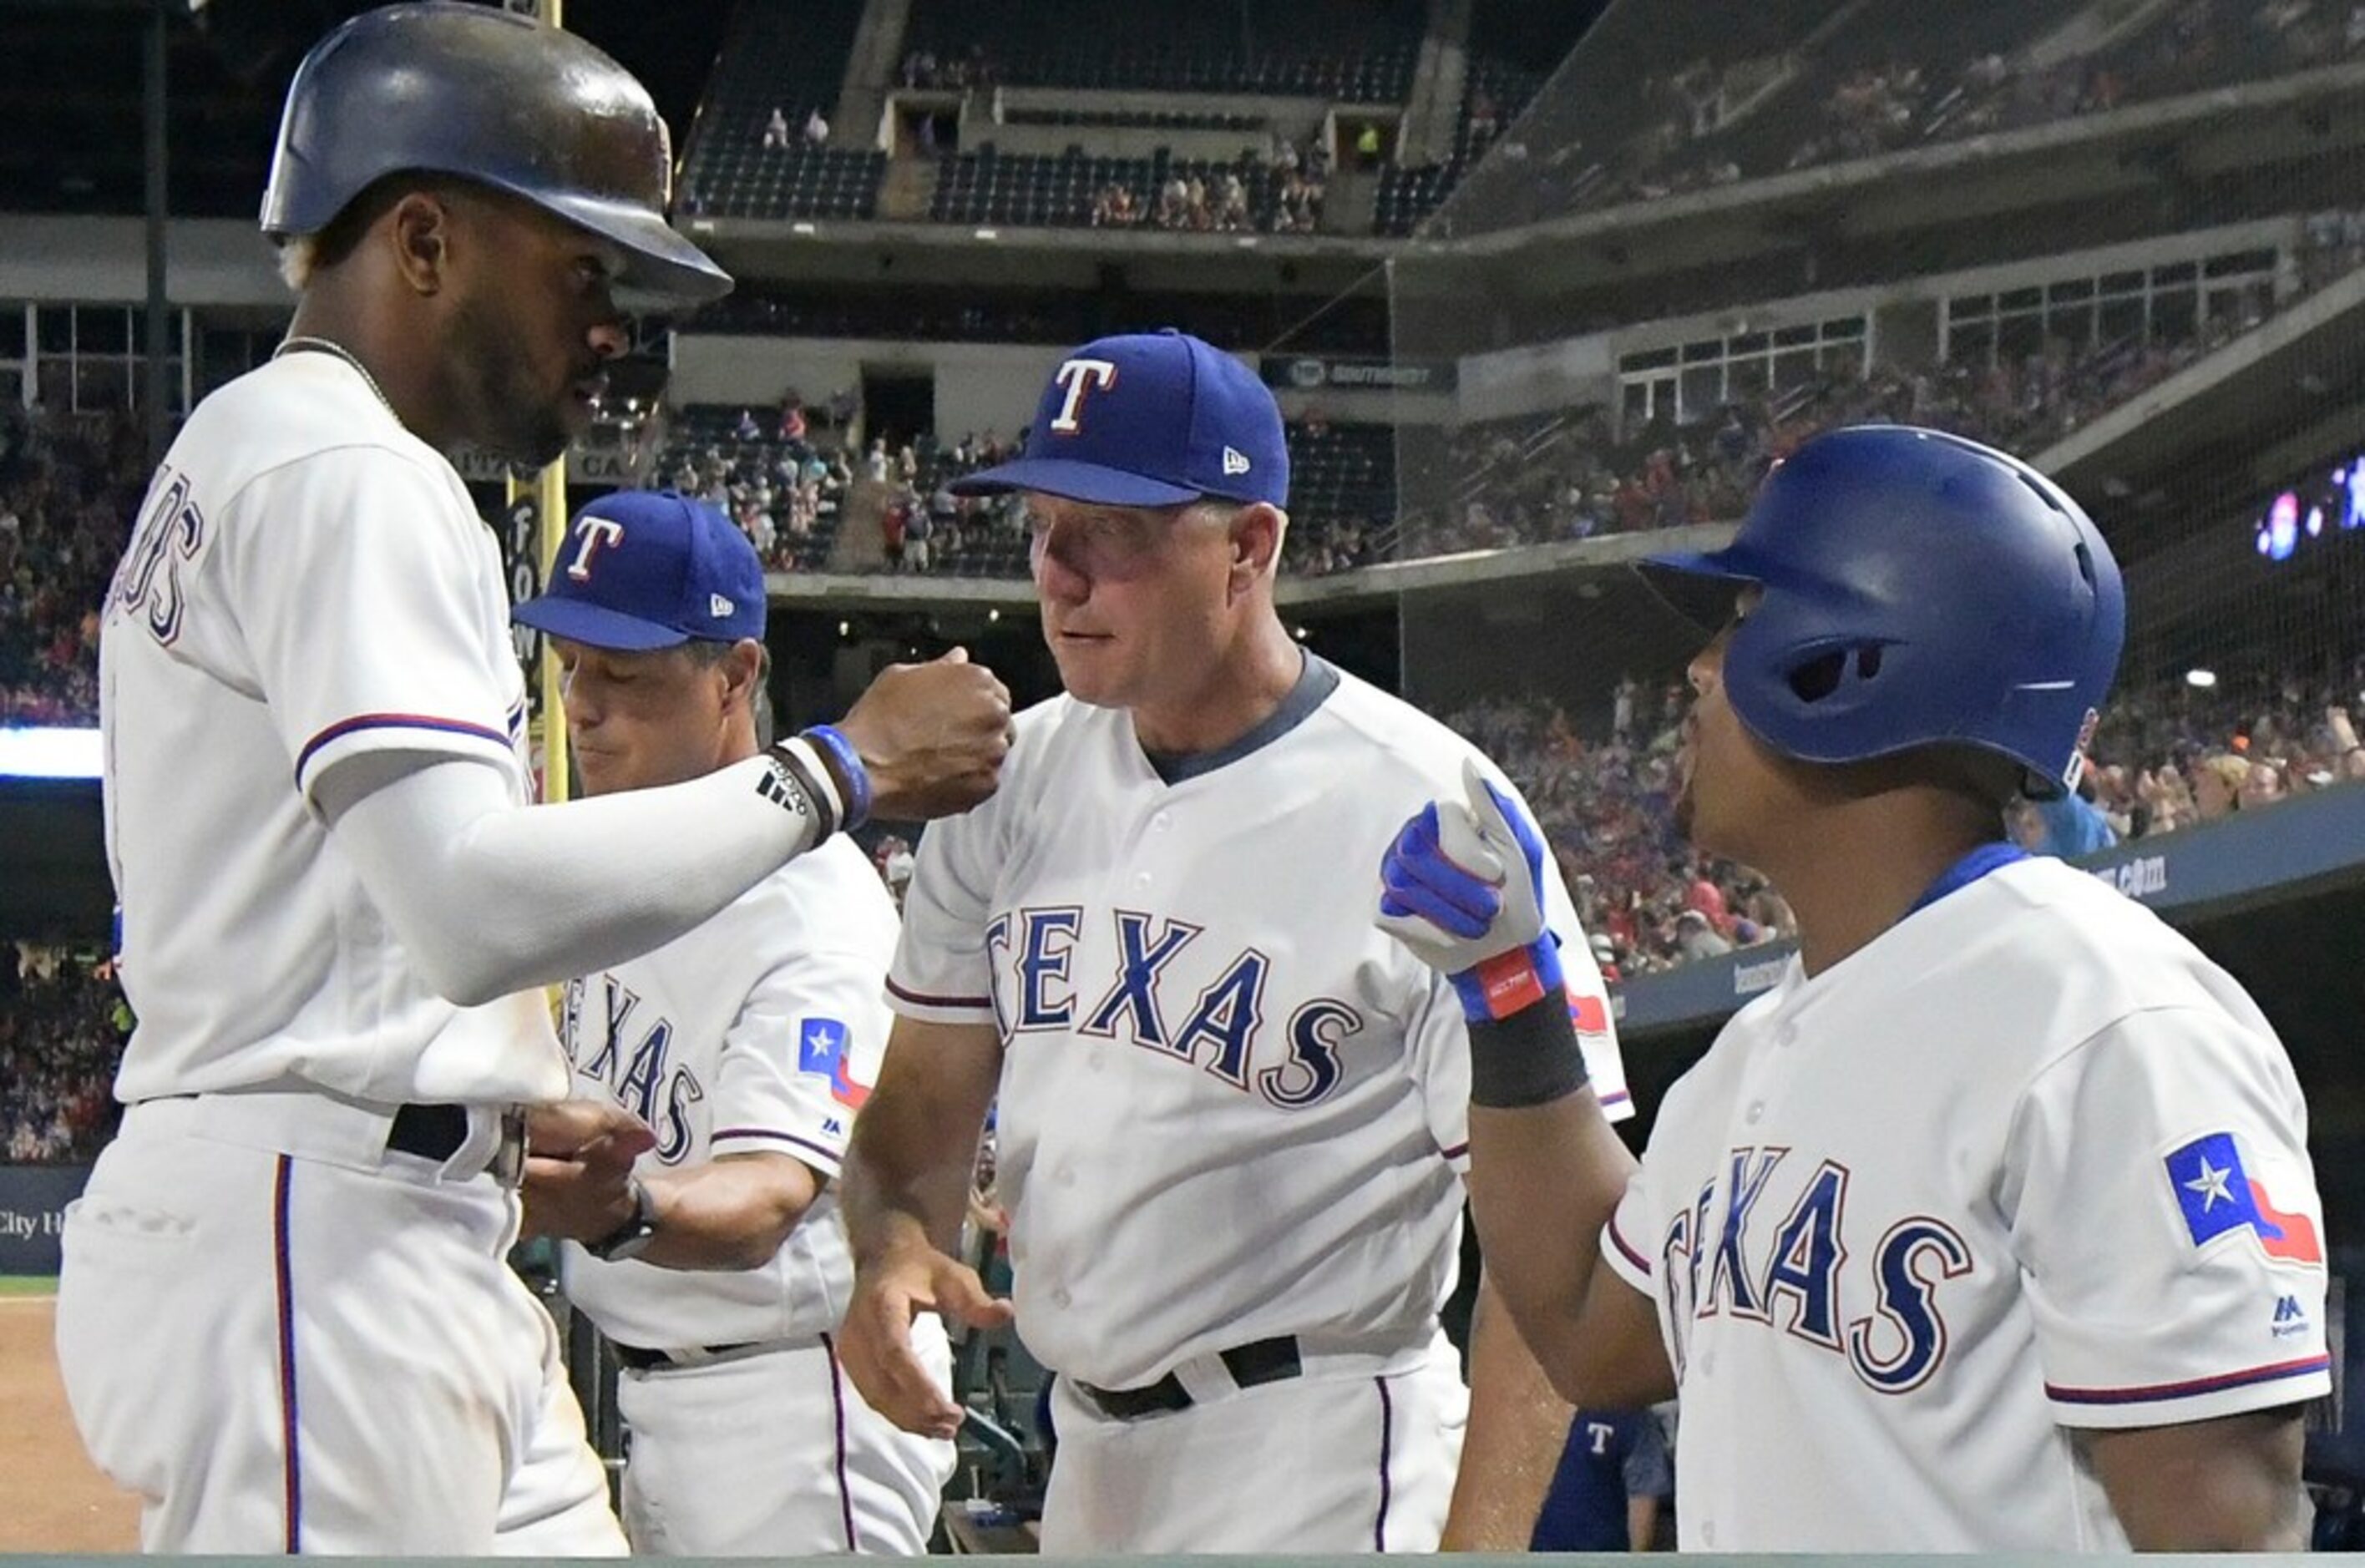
[651, 569]
[1149, 420]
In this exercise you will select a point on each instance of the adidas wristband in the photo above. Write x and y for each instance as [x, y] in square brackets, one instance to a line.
[797, 781]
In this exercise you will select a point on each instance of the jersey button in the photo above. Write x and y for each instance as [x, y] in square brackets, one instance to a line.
[1162, 820]
[1707, 1532]
[1142, 879]
[1756, 1109]
[1059, 1297]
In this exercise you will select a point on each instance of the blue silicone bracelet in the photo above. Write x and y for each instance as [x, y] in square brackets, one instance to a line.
[849, 762]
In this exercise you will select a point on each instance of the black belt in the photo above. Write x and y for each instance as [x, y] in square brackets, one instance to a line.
[431, 1132]
[1262, 1360]
[437, 1132]
[635, 1359]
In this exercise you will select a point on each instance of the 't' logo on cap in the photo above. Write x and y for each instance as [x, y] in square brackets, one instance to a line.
[597, 533]
[1079, 375]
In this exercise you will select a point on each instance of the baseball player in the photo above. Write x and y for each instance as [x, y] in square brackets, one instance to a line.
[284, 1320]
[1230, 1113]
[1613, 1480]
[1990, 1227]
[746, 1044]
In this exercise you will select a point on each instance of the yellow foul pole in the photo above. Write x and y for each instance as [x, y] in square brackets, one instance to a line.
[549, 492]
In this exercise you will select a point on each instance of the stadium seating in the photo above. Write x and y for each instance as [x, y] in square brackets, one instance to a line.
[1342, 484]
[990, 186]
[766, 65]
[737, 462]
[1347, 51]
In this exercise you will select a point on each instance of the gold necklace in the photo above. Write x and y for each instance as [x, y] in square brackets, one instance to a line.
[338, 351]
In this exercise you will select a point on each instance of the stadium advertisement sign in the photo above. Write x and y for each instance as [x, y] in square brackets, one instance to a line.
[33, 1200]
[1308, 373]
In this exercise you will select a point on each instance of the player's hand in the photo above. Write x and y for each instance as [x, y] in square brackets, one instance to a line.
[1462, 888]
[578, 1168]
[876, 1343]
[931, 736]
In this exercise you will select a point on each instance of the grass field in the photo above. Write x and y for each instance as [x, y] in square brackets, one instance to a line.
[28, 1284]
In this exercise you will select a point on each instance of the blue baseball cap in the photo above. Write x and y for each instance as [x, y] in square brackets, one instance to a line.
[646, 569]
[1148, 420]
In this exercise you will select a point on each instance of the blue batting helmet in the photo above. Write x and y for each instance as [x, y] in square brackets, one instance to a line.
[1919, 590]
[439, 87]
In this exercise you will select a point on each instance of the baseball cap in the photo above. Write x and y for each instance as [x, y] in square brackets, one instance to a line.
[646, 569]
[1148, 420]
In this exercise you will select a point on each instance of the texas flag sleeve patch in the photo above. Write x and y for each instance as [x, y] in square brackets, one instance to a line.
[822, 1047]
[2215, 1193]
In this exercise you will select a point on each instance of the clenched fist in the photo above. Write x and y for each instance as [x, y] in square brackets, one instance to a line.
[931, 736]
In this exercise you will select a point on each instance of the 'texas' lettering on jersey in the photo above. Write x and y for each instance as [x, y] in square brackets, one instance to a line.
[1791, 1273]
[1219, 1027]
[170, 534]
[639, 1075]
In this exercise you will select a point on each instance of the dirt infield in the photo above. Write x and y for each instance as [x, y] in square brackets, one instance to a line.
[50, 1497]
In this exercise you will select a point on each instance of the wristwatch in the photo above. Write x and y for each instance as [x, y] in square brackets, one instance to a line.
[633, 1238]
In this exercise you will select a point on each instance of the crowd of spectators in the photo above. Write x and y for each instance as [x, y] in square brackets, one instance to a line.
[2166, 757]
[926, 528]
[1280, 194]
[69, 484]
[1605, 803]
[1570, 473]
[924, 68]
[778, 475]
[1863, 110]
[2169, 756]
[62, 1025]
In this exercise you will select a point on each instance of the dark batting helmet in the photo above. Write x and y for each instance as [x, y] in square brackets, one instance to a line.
[449, 88]
[1919, 590]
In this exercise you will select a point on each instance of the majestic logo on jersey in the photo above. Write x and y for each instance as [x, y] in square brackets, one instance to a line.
[1221, 1028]
[1719, 1261]
[1080, 376]
[639, 1075]
[825, 1046]
[597, 533]
[2215, 1193]
[170, 533]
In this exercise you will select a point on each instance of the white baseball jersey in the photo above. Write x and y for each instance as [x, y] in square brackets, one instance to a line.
[757, 1031]
[2026, 1162]
[1230, 1107]
[308, 581]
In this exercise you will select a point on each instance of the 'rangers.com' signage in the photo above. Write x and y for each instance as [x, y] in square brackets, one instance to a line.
[1311, 374]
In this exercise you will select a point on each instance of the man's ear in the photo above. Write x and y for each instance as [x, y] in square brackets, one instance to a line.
[420, 230]
[1257, 532]
[743, 670]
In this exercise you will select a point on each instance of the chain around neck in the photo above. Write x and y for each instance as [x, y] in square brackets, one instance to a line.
[305, 344]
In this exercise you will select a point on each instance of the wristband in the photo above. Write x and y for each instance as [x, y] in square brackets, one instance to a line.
[797, 781]
[1531, 1057]
[852, 777]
